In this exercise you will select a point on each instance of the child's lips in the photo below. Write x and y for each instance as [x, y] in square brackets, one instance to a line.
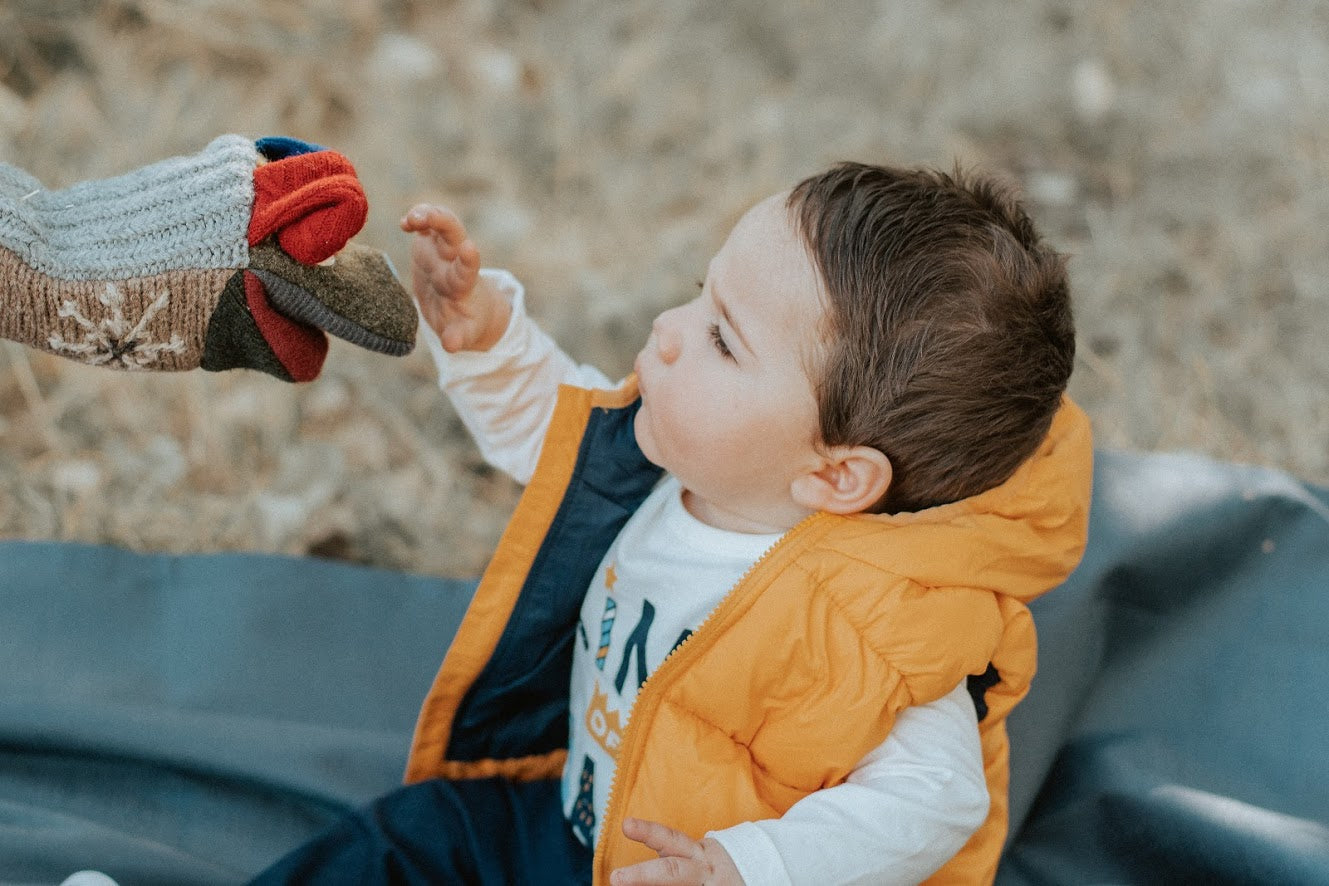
[636, 369]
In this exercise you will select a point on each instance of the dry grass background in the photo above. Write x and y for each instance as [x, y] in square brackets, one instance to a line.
[1180, 153]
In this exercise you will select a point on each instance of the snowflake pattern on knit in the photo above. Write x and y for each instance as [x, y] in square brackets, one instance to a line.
[114, 340]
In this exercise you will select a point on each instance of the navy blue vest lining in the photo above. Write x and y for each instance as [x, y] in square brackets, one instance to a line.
[518, 706]
[978, 686]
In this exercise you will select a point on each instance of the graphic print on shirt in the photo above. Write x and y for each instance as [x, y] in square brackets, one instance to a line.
[604, 720]
[604, 725]
[636, 643]
[607, 620]
[583, 811]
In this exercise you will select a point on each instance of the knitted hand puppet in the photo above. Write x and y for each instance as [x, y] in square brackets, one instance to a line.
[235, 257]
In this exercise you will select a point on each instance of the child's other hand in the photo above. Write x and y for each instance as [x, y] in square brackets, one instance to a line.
[683, 861]
[466, 312]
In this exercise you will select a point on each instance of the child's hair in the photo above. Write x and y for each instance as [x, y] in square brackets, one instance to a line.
[949, 338]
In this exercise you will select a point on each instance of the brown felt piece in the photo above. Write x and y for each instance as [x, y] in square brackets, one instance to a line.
[359, 291]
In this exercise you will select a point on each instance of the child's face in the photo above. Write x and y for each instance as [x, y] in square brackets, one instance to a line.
[727, 405]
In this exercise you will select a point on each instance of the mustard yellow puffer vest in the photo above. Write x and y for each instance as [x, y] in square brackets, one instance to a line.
[800, 670]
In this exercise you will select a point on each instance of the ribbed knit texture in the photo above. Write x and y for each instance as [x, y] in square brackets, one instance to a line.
[185, 212]
[313, 203]
[152, 322]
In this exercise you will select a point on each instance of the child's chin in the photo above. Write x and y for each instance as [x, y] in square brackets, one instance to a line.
[644, 440]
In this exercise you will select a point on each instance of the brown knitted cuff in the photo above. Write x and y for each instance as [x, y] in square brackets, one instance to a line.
[155, 322]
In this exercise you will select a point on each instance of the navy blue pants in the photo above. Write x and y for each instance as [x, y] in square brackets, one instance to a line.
[486, 831]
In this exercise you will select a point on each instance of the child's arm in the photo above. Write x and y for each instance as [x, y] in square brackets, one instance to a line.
[908, 806]
[499, 369]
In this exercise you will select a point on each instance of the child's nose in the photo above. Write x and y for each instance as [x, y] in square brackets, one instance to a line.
[667, 340]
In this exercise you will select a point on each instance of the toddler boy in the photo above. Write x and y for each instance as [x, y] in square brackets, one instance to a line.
[760, 614]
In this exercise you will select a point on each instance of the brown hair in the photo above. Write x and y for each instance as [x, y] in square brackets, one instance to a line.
[949, 337]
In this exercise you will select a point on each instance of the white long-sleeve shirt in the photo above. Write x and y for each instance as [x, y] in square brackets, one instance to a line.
[907, 807]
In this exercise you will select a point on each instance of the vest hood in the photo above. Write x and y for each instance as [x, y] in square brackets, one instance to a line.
[1018, 539]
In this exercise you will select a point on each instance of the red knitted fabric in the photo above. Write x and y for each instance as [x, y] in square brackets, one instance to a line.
[313, 203]
[300, 348]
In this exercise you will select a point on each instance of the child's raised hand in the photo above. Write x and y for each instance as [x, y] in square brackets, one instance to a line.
[459, 305]
[683, 861]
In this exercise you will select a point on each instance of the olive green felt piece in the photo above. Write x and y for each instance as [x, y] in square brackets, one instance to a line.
[359, 297]
[233, 339]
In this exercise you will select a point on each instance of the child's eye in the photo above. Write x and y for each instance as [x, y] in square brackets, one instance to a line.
[718, 340]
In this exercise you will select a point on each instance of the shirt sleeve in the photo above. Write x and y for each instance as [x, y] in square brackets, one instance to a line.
[904, 811]
[505, 396]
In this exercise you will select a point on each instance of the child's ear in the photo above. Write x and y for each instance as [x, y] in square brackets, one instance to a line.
[849, 480]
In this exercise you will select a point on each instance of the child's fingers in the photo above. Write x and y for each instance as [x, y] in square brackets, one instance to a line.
[416, 218]
[667, 871]
[663, 839]
[438, 219]
[462, 273]
[469, 255]
[451, 280]
[444, 233]
[463, 256]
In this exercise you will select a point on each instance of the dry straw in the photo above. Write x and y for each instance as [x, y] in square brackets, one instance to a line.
[601, 150]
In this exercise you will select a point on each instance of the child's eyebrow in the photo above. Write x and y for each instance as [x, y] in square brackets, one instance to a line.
[729, 319]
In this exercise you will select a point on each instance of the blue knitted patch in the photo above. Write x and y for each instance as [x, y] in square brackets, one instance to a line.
[277, 147]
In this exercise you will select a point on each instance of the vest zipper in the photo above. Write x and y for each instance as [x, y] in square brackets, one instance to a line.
[671, 660]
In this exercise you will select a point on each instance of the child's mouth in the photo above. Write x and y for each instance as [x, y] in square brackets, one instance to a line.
[636, 369]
